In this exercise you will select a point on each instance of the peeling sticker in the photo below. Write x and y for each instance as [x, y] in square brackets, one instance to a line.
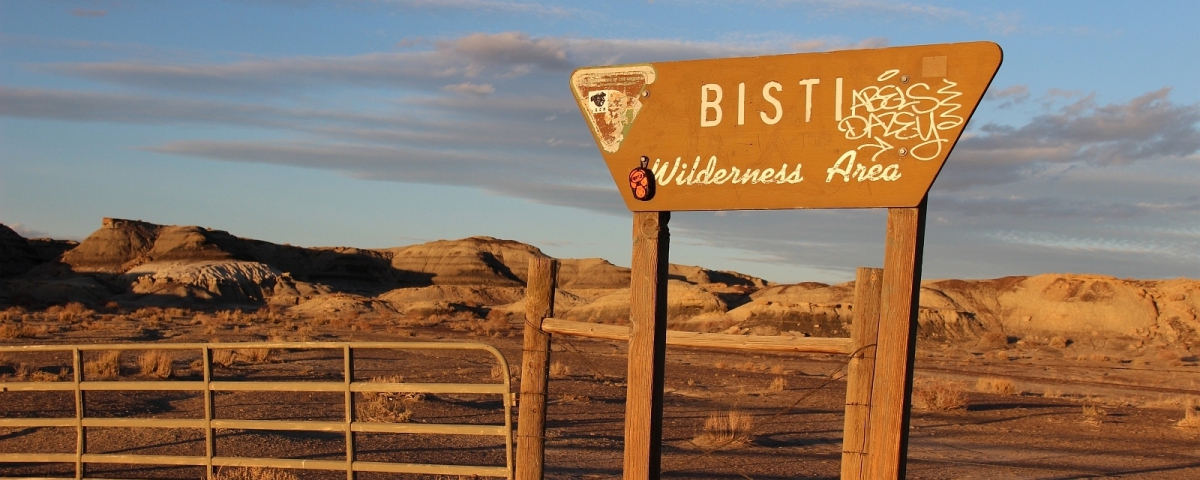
[611, 98]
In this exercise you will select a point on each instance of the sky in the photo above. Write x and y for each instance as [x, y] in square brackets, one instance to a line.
[393, 122]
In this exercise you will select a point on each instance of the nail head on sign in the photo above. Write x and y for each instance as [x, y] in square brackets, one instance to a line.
[903, 151]
[904, 79]
[645, 93]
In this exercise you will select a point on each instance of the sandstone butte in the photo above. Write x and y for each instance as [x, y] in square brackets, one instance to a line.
[135, 263]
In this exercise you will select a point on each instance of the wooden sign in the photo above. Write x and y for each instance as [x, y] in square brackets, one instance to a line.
[848, 129]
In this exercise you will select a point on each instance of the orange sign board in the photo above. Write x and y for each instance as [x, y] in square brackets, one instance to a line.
[848, 129]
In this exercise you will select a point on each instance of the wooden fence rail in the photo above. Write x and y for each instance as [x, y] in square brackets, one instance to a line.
[837, 346]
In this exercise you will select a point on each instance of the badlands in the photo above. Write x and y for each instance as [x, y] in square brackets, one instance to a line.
[1048, 376]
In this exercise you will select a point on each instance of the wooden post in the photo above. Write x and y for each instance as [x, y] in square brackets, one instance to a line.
[647, 345]
[861, 371]
[535, 370]
[887, 436]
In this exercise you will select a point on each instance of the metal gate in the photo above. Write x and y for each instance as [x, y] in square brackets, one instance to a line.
[81, 421]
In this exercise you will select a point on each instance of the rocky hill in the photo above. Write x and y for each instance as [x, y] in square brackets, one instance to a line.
[134, 263]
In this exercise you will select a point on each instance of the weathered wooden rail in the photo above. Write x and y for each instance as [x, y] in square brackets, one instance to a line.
[861, 382]
[208, 423]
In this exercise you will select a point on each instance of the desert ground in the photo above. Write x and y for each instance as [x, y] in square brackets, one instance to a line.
[1048, 376]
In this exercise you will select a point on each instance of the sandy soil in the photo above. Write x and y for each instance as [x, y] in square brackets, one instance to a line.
[1040, 430]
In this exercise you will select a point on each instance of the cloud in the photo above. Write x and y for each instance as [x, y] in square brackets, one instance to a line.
[526, 63]
[997, 22]
[510, 49]
[470, 88]
[821, 45]
[1149, 126]
[1009, 96]
[483, 6]
[1051, 207]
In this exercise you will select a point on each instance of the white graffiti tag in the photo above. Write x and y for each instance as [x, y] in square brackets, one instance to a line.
[915, 113]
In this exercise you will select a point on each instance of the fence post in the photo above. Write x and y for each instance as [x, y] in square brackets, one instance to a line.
[861, 371]
[535, 369]
[647, 345]
[887, 437]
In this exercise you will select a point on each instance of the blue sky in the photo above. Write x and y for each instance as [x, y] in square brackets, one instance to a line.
[385, 123]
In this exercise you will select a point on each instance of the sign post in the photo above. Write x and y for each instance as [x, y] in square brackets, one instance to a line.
[848, 129]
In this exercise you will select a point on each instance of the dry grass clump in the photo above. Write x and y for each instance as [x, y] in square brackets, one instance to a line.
[72, 312]
[12, 314]
[387, 407]
[559, 370]
[26, 372]
[413, 320]
[778, 384]
[254, 473]
[730, 430]
[1093, 414]
[937, 395]
[254, 356]
[1191, 416]
[41, 376]
[106, 367]
[155, 364]
[223, 357]
[998, 386]
[226, 357]
[9, 331]
[1059, 342]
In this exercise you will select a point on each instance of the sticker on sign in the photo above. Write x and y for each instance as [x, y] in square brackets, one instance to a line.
[848, 129]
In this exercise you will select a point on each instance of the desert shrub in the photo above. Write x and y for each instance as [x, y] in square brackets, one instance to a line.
[155, 364]
[254, 356]
[1191, 416]
[559, 370]
[22, 370]
[1059, 342]
[412, 320]
[778, 384]
[253, 473]
[386, 407]
[105, 367]
[938, 395]
[12, 314]
[777, 369]
[730, 430]
[41, 376]
[223, 357]
[497, 371]
[9, 331]
[999, 386]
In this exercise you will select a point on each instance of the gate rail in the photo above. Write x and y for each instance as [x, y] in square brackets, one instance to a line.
[349, 426]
